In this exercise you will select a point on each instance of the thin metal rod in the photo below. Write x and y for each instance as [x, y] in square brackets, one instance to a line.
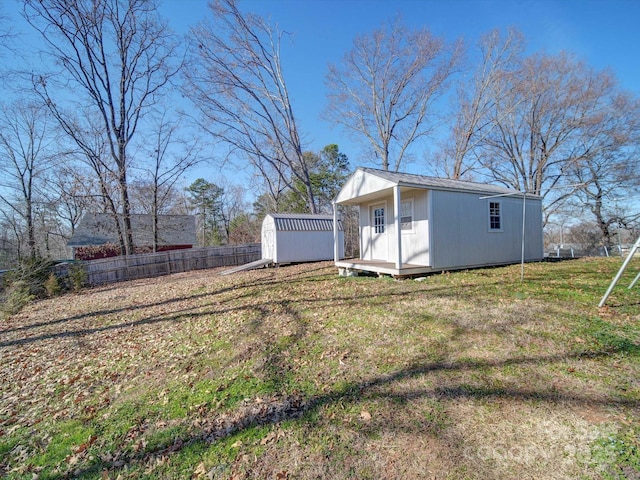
[524, 213]
[620, 272]
[634, 281]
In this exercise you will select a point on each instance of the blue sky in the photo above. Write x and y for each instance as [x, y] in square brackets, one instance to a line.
[605, 34]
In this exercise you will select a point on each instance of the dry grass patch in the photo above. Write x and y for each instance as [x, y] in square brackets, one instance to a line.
[526, 440]
[297, 373]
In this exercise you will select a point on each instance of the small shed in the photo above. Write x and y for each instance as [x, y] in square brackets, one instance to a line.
[412, 224]
[294, 238]
[96, 235]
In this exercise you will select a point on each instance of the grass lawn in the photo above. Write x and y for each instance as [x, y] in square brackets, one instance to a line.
[296, 373]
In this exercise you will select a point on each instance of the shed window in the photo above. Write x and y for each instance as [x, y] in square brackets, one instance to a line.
[406, 215]
[378, 220]
[495, 216]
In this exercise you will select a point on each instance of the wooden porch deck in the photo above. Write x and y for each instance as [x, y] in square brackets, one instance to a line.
[382, 268]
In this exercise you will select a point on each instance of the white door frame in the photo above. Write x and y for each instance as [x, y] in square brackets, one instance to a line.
[378, 242]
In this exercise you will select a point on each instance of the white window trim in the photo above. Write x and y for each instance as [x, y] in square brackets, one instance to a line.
[495, 230]
[413, 221]
[372, 207]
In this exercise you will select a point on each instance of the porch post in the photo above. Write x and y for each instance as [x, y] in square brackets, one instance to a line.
[336, 248]
[396, 213]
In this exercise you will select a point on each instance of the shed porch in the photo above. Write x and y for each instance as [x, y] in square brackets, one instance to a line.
[383, 268]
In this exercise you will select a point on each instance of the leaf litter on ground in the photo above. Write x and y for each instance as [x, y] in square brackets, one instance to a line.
[269, 372]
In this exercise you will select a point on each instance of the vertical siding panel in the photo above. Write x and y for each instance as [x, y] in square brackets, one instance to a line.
[300, 238]
[461, 235]
[415, 245]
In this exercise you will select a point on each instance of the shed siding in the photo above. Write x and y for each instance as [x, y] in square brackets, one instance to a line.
[268, 239]
[415, 244]
[365, 237]
[306, 246]
[461, 236]
[290, 238]
[360, 184]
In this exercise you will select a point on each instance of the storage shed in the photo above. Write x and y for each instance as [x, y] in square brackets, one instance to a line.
[293, 238]
[412, 224]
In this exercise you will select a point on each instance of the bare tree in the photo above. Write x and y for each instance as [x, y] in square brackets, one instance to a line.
[539, 125]
[170, 158]
[232, 206]
[237, 82]
[101, 188]
[477, 96]
[25, 153]
[116, 56]
[608, 172]
[10, 239]
[6, 35]
[586, 236]
[386, 85]
[270, 190]
[73, 192]
[244, 228]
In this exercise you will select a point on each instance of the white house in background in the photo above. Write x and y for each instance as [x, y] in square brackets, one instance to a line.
[294, 238]
[413, 224]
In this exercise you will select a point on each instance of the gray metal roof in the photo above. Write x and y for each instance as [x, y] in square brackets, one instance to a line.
[300, 222]
[99, 229]
[423, 181]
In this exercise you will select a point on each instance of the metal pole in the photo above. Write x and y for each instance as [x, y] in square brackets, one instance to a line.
[336, 251]
[634, 281]
[524, 199]
[524, 212]
[620, 272]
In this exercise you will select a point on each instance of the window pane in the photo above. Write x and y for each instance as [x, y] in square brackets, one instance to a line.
[494, 216]
[406, 215]
[378, 220]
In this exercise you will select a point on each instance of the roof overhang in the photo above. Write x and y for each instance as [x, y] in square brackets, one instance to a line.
[367, 184]
[361, 186]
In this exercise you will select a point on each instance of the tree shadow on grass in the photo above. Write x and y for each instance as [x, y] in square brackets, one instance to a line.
[294, 406]
[200, 310]
[284, 404]
[242, 283]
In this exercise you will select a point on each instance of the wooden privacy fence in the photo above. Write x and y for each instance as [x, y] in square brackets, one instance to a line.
[119, 269]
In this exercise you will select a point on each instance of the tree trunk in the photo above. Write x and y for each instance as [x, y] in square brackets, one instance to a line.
[124, 195]
[154, 213]
[31, 236]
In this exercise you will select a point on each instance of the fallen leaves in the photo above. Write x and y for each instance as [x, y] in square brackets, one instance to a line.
[80, 451]
[147, 371]
[81, 448]
[260, 411]
[273, 437]
[200, 471]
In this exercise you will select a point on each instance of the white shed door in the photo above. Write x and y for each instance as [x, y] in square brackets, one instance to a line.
[378, 228]
[268, 244]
